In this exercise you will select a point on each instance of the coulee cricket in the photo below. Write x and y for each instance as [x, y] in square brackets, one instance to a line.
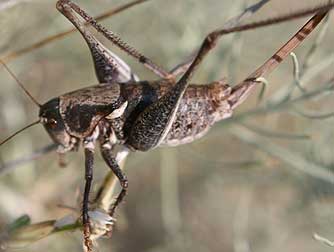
[139, 115]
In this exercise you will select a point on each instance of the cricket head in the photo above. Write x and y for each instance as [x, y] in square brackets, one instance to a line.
[49, 116]
[53, 123]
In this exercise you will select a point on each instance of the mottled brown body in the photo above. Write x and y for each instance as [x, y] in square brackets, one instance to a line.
[87, 106]
[141, 115]
[200, 107]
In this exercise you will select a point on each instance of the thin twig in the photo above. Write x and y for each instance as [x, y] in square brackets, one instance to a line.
[323, 240]
[9, 166]
[314, 115]
[6, 4]
[170, 197]
[294, 159]
[264, 86]
[296, 72]
[273, 134]
[241, 241]
[247, 13]
[20, 236]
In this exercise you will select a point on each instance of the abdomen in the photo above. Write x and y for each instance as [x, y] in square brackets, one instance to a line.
[200, 108]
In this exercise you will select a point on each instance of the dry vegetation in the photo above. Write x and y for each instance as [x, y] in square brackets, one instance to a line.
[261, 181]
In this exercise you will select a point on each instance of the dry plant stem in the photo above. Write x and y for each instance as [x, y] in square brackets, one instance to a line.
[241, 241]
[323, 240]
[26, 235]
[41, 43]
[313, 71]
[247, 13]
[31, 233]
[9, 166]
[273, 134]
[313, 115]
[296, 73]
[169, 188]
[295, 160]
[5, 4]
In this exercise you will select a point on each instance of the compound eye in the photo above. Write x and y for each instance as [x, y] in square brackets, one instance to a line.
[52, 123]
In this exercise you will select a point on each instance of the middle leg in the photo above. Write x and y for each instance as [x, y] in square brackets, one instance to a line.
[110, 159]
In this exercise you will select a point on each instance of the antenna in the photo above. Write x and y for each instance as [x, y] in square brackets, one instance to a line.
[20, 83]
[19, 131]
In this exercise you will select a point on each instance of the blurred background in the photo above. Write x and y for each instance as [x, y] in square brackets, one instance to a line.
[261, 181]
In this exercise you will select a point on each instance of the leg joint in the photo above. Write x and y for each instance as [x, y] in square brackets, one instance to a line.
[89, 177]
[211, 39]
[124, 183]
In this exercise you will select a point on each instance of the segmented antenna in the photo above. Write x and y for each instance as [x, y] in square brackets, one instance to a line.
[20, 83]
[19, 131]
[31, 97]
